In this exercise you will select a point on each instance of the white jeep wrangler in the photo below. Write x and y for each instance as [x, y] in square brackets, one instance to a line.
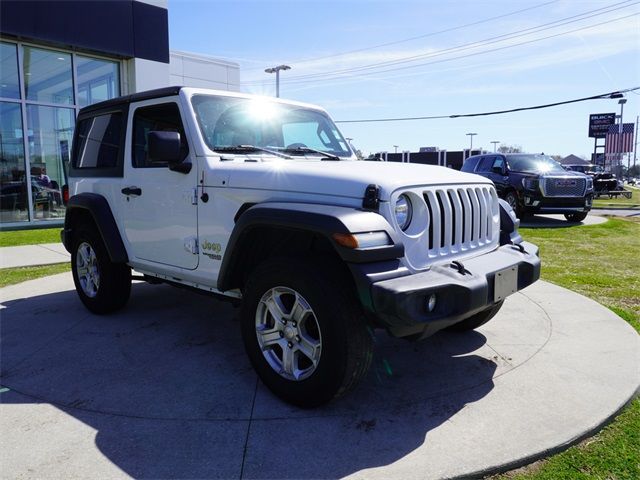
[263, 202]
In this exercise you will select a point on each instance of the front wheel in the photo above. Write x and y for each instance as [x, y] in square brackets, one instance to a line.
[512, 199]
[103, 286]
[575, 217]
[304, 331]
[478, 319]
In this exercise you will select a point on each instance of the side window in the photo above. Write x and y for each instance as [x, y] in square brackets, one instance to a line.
[98, 141]
[484, 165]
[498, 163]
[164, 117]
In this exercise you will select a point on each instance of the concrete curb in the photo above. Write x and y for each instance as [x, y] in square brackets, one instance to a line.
[543, 454]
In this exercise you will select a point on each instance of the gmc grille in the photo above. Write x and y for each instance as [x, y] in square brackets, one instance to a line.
[564, 186]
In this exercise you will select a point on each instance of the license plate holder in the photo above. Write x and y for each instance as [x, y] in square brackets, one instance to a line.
[505, 283]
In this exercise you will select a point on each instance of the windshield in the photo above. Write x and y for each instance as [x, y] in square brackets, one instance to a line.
[533, 164]
[228, 122]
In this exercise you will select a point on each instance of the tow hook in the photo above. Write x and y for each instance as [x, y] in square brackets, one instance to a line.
[520, 247]
[460, 267]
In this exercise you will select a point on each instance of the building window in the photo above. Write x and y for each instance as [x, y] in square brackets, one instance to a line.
[98, 80]
[9, 84]
[44, 88]
[48, 76]
[14, 200]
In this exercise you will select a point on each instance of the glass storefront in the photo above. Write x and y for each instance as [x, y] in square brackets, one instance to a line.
[41, 91]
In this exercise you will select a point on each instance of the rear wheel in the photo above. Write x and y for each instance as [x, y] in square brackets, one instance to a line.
[575, 217]
[103, 286]
[304, 331]
[478, 319]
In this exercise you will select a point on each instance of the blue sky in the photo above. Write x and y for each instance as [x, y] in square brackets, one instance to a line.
[334, 36]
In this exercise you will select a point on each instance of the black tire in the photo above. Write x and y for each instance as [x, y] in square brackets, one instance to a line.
[478, 319]
[512, 199]
[345, 339]
[575, 217]
[114, 284]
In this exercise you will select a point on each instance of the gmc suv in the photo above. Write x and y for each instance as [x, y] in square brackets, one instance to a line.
[535, 183]
[262, 202]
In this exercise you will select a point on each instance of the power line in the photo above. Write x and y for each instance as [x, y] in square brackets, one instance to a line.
[477, 53]
[339, 74]
[615, 94]
[409, 39]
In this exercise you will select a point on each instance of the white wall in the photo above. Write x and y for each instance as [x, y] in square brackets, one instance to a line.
[192, 70]
[184, 69]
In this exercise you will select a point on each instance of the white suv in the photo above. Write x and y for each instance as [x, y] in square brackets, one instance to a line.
[262, 201]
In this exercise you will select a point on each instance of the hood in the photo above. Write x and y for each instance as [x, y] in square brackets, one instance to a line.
[342, 178]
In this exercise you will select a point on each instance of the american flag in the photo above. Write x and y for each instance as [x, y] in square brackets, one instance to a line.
[615, 144]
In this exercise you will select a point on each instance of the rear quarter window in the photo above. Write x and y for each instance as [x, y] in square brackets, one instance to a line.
[98, 141]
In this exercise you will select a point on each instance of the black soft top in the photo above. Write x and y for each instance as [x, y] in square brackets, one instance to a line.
[135, 97]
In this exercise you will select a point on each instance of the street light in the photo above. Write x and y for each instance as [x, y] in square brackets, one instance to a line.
[471, 145]
[495, 144]
[276, 70]
[396, 147]
[621, 102]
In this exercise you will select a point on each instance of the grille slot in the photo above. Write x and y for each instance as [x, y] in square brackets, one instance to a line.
[460, 219]
[564, 186]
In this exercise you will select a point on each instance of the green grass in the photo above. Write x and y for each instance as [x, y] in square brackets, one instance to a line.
[30, 237]
[601, 262]
[11, 276]
[620, 201]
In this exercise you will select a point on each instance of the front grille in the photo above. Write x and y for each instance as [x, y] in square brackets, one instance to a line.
[564, 186]
[460, 219]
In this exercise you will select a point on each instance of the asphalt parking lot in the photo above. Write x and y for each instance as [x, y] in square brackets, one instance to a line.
[163, 389]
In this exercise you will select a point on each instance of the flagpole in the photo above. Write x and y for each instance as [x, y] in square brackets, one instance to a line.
[622, 101]
[635, 145]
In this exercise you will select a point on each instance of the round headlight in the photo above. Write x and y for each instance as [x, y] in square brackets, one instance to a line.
[403, 211]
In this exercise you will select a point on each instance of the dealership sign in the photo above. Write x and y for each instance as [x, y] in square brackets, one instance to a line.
[599, 124]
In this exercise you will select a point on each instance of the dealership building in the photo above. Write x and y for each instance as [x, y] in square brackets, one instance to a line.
[57, 57]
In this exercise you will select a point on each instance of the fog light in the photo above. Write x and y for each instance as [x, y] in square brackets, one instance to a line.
[431, 303]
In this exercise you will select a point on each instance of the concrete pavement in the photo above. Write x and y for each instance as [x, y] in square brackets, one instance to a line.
[163, 389]
[555, 221]
[30, 255]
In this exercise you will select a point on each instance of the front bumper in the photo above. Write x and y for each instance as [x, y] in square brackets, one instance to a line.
[400, 304]
[534, 202]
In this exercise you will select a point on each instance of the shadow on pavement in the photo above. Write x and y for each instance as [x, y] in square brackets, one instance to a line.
[547, 221]
[170, 392]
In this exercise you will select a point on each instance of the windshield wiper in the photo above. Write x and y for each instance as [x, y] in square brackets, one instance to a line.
[327, 155]
[248, 148]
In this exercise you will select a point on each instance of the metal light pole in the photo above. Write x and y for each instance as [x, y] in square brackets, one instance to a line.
[348, 139]
[471, 144]
[621, 102]
[396, 148]
[276, 70]
[495, 145]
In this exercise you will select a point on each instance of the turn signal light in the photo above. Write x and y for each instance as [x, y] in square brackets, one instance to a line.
[346, 240]
[362, 240]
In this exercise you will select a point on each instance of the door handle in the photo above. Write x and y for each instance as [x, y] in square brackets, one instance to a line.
[132, 191]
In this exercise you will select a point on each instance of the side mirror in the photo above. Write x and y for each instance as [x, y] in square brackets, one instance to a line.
[165, 147]
[499, 170]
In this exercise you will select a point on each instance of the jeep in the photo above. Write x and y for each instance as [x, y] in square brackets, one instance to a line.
[263, 202]
[534, 183]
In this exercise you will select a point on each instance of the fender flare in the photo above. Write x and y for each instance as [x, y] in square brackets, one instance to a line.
[98, 208]
[323, 220]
